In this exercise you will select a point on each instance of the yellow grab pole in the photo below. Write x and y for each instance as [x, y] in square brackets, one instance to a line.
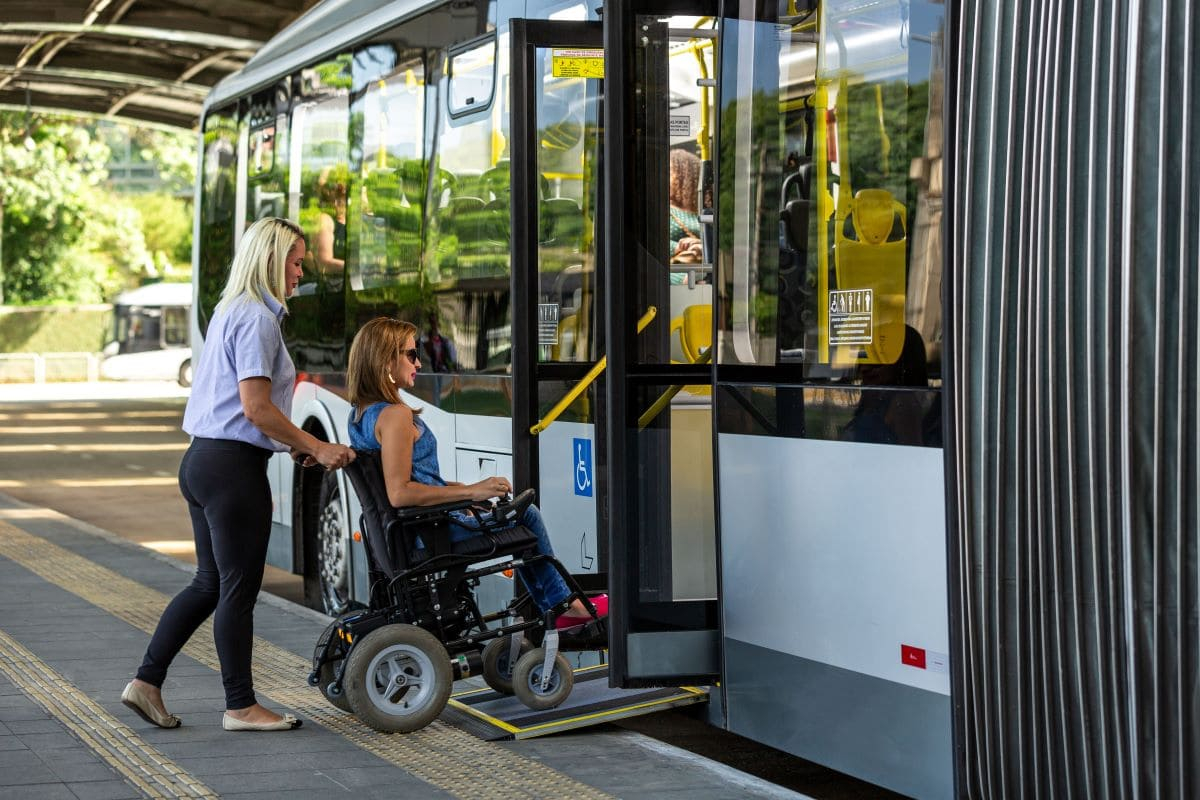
[593, 373]
[665, 398]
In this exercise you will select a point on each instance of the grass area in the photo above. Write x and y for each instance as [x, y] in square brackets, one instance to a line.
[55, 329]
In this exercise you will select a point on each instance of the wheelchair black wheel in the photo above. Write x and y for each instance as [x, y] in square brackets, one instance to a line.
[497, 667]
[325, 673]
[527, 680]
[398, 678]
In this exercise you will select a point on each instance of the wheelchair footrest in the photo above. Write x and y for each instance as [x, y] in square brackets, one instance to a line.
[590, 636]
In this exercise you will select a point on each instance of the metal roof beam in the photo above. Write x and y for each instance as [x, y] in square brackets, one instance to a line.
[212, 40]
[100, 76]
[167, 122]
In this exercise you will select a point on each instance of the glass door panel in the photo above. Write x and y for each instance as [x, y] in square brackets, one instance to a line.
[659, 423]
[557, 76]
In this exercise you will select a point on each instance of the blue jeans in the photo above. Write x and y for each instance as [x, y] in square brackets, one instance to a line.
[545, 585]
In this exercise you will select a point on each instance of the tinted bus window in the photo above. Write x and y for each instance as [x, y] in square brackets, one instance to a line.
[218, 195]
[321, 127]
[266, 126]
[829, 211]
[468, 238]
[395, 174]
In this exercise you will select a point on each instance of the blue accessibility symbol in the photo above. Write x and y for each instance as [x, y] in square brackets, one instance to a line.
[583, 467]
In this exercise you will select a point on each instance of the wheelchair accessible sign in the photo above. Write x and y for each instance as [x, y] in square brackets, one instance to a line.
[583, 466]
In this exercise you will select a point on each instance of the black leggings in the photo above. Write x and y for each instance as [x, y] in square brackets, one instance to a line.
[225, 485]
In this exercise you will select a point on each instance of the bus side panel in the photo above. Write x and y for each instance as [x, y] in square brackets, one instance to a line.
[834, 605]
[309, 402]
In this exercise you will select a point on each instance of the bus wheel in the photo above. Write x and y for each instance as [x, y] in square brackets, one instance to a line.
[327, 583]
[185, 373]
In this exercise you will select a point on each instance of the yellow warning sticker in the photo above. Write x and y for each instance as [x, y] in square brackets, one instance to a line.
[577, 63]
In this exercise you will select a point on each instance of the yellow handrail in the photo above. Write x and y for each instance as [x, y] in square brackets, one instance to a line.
[593, 373]
[665, 398]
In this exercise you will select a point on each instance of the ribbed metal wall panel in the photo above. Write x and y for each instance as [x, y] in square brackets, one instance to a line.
[1072, 305]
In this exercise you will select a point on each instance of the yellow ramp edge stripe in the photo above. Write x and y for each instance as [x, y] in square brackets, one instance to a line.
[140, 763]
[453, 760]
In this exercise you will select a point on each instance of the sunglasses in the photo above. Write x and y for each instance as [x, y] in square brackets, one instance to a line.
[413, 355]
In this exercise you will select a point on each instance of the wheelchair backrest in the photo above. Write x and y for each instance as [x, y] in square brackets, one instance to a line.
[366, 476]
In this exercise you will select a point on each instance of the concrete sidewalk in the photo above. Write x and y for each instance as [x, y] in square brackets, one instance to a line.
[89, 390]
[76, 608]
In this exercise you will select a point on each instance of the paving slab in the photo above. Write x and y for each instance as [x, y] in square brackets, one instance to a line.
[76, 609]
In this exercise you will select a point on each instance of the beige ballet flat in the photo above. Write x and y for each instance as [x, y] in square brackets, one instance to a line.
[288, 723]
[135, 698]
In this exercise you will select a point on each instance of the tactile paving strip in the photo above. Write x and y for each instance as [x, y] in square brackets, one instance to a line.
[441, 755]
[147, 769]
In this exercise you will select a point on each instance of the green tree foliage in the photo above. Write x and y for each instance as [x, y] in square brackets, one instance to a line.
[166, 223]
[173, 152]
[66, 236]
[46, 174]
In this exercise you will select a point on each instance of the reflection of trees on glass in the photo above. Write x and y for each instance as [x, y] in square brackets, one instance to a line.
[314, 330]
[217, 203]
[391, 203]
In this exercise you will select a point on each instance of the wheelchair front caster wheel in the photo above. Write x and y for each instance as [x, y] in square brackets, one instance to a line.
[398, 678]
[527, 680]
[323, 677]
[497, 666]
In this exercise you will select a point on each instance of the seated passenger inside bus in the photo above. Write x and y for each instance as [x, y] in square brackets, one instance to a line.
[683, 194]
[383, 359]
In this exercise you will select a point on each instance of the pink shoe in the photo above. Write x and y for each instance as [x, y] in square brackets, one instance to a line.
[570, 621]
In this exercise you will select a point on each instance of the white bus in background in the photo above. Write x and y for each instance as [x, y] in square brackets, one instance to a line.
[151, 335]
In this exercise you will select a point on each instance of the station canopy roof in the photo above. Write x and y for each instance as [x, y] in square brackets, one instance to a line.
[150, 61]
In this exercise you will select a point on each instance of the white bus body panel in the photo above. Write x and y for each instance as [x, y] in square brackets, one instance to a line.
[836, 634]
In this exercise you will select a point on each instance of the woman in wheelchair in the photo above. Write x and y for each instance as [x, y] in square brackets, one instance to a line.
[383, 359]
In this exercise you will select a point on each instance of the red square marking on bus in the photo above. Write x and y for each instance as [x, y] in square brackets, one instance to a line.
[912, 656]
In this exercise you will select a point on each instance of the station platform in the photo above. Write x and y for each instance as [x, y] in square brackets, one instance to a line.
[77, 605]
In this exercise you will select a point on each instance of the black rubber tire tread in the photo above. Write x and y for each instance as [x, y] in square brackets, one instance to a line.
[354, 679]
[524, 672]
[494, 654]
[315, 596]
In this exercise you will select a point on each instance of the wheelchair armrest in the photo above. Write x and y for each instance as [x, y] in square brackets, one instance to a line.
[422, 512]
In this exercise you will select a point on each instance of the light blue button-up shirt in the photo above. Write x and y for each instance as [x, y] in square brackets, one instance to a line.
[244, 341]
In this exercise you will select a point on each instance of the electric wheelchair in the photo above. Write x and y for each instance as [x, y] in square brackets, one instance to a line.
[393, 663]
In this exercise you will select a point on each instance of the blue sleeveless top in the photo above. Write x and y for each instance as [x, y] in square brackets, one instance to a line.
[425, 467]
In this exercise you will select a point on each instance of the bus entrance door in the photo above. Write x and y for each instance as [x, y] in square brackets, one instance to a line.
[558, 311]
[658, 421]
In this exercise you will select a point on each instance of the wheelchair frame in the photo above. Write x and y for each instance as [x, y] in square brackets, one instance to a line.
[433, 592]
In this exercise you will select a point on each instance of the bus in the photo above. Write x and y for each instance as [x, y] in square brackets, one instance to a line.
[151, 335]
[757, 403]
[723, 378]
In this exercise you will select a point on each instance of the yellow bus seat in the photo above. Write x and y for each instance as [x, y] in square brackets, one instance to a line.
[694, 327]
[872, 257]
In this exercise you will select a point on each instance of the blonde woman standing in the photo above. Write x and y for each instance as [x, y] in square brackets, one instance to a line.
[238, 415]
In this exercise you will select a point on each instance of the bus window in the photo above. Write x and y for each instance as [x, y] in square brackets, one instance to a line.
[321, 179]
[404, 243]
[218, 196]
[472, 77]
[174, 326]
[468, 237]
[830, 241]
[568, 120]
[265, 123]
[394, 174]
[322, 121]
